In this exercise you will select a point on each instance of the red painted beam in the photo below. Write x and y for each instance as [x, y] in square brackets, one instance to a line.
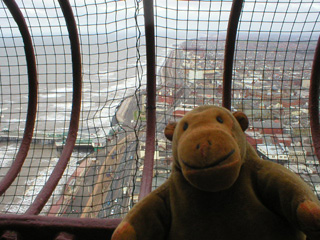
[314, 101]
[229, 51]
[42, 227]
[32, 98]
[147, 174]
[57, 173]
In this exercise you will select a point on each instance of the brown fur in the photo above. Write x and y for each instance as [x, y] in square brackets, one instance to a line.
[220, 189]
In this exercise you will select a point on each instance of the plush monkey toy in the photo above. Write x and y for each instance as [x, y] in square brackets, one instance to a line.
[220, 189]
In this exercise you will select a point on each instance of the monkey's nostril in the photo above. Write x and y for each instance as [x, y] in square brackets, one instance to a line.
[198, 146]
[209, 142]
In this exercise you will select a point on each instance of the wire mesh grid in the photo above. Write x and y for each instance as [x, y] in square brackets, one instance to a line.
[272, 78]
[113, 75]
[271, 75]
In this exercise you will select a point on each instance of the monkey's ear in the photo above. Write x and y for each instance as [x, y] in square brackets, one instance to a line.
[169, 130]
[242, 119]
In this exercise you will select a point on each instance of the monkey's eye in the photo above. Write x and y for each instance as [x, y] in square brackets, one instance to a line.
[185, 126]
[219, 119]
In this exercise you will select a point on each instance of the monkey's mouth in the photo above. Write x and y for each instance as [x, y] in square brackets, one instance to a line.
[210, 165]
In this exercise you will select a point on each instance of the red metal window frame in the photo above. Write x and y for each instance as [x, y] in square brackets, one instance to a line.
[32, 226]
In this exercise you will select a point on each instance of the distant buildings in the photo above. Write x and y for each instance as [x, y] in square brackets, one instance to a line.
[272, 93]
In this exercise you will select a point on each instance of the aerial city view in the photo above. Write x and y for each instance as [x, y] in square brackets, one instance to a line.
[271, 82]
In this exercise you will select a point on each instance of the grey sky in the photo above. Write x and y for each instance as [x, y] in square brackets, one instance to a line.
[45, 17]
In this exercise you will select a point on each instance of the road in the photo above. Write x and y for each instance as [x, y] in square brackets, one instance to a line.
[110, 183]
[117, 199]
[116, 171]
[85, 187]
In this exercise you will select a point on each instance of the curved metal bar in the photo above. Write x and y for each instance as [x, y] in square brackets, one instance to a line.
[146, 182]
[32, 98]
[57, 173]
[229, 51]
[314, 101]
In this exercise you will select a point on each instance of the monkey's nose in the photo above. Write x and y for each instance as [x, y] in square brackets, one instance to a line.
[204, 147]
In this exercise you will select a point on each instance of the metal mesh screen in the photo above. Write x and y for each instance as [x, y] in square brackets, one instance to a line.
[273, 62]
[271, 74]
[104, 160]
[274, 49]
